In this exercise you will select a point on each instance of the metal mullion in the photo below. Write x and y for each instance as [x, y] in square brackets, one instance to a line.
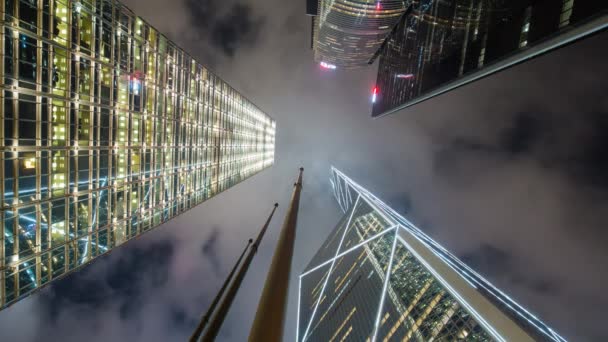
[90, 191]
[15, 95]
[2, 254]
[67, 104]
[94, 181]
[95, 18]
[129, 145]
[14, 155]
[111, 139]
[2, 176]
[38, 153]
[49, 239]
[2, 153]
[16, 248]
[140, 193]
[96, 160]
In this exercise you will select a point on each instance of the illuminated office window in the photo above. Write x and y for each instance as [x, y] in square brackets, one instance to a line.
[109, 129]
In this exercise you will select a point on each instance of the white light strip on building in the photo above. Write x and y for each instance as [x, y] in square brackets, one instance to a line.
[454, 293]
[349, 250]
[452, 261]
[330, 269]
[298, 313]
[384, 288]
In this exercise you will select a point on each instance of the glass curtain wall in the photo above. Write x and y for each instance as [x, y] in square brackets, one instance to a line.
[108, 129]
[440, 45]
[379, 278]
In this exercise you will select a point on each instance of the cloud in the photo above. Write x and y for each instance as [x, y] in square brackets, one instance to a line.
[210, 249]
[487, 259]
[495, 262]
[228, 30]
[202, 13]
[123, 282]
[237, 29]
[556, 141]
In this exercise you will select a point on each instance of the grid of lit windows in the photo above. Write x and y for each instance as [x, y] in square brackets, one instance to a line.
[379, 278]
[108, 129]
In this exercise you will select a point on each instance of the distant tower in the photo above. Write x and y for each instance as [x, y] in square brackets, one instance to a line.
[347, 33]
[379, 278]
[109, 130]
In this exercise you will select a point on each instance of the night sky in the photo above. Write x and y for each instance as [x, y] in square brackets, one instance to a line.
[509, 173]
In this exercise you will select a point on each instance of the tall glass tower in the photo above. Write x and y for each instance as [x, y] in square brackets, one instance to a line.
[108, 130]
[438, 46]
[348, 33]
[379, 278]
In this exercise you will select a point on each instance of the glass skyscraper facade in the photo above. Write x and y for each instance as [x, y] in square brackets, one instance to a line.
[108, 130]
[379, 278]
[440, 45]
[347, 33]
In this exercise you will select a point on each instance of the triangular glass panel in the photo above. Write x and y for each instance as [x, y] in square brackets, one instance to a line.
[311, 285]
[329, 249]
[352, 294]
[418, 308]
[364, 224]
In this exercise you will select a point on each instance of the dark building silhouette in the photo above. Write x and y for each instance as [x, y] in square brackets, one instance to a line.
[440, 45]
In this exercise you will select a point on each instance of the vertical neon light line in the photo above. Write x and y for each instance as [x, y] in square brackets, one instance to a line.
[344, 191]
[338, 194]
[385, 287]
[349, 197]
[298, 313]
[330, 269]
[342, 198]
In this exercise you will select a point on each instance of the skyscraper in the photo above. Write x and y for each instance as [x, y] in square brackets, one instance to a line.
[440, 45]
[347, 33]
[379, 278]
[108, 130]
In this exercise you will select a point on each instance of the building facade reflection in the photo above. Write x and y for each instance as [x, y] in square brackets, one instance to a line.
[108, 130]
[445, 44]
